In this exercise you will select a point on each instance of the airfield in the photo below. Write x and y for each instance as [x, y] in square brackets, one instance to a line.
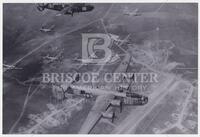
[162, 40]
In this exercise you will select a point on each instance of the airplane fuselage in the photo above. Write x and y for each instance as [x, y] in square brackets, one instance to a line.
[70, 8]
[45, 30]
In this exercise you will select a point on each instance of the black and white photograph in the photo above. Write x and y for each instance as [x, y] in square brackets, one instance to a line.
[100, 68]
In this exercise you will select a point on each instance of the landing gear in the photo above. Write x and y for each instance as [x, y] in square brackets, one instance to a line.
[113, 117]
[121, 106]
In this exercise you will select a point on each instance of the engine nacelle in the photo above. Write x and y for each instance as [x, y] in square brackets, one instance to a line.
[58, 92]
[117, 103]
[135, 101]
[88, 95]
[85, 94]
[123, 88]
[108, 115]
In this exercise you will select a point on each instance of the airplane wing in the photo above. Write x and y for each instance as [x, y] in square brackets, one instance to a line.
[66, 9]
[7, 66]
[101, 104]
[52, 27]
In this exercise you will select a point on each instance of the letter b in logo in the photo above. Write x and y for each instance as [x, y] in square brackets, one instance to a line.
[90, 46]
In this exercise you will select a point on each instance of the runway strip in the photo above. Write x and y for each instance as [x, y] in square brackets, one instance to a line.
[131, 121]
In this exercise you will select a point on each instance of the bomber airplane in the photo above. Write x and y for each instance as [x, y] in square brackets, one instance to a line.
[9, 67]
[105, 98]
[50, 29]
[50, 59]
[64, 8]
[116, 39]
[132, 13]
